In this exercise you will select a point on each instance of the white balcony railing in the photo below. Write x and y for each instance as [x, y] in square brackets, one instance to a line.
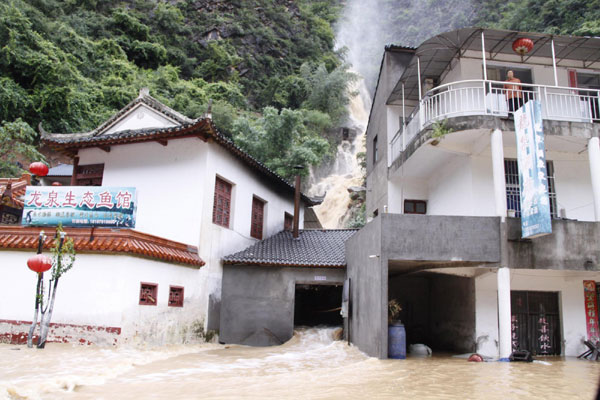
[479, 97]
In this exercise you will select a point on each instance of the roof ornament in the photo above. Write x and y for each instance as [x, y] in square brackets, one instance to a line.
[144, 92]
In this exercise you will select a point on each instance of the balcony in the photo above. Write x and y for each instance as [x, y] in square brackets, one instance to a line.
[490, 98]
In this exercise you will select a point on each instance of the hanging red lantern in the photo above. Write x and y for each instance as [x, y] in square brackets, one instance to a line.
[522, 46]
[38, 168]
[56, 184]
[39, 263]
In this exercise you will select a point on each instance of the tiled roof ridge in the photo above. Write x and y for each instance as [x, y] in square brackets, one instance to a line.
[313, 248]
[104, 240]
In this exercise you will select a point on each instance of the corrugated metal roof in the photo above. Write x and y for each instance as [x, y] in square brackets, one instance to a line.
[312, 248]
[61, 170]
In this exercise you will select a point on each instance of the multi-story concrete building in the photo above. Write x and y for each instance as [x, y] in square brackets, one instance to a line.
[443, 194]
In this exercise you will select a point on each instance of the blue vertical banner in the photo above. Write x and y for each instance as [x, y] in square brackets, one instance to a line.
[533, 178]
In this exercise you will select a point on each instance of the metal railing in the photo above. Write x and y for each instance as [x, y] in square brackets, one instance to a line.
[481, 97]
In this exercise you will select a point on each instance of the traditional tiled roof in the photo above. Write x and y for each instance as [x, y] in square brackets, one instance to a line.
[202, 128]
[104, 240]
[312, 248]
[18, 186]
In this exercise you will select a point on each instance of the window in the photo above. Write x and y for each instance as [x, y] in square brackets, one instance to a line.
[288, 222]
[497, 73]
[148, 293]
[415, 207]
[222, 203]
[375, 155]
[256, 223]
[513, 190]
[89, 175]
[175, 296]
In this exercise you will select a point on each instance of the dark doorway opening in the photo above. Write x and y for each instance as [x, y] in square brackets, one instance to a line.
[317, 305]
[535, 322]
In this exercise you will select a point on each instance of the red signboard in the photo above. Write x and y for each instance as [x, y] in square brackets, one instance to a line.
[591, 313]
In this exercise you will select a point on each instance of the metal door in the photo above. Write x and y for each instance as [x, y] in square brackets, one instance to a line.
[535, 322]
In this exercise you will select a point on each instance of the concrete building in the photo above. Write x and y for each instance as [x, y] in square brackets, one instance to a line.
[199, 198]
[443, 197]
[282, 282]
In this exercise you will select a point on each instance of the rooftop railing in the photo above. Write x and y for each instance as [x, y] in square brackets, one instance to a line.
[481, 97]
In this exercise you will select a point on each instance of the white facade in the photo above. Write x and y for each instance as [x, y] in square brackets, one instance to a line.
[568, 285]
[100, 297]
[450, 166]
[175, 187]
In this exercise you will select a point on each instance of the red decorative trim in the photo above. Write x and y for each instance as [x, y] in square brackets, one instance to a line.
[105, 240]
[148, 294]
[176, 296]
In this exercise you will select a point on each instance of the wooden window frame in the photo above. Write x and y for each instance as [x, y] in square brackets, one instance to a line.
[223, 217]
[415, 202]
[89, 174]
[288, 221]
[182, 292]
[142, 300]
[257, 228]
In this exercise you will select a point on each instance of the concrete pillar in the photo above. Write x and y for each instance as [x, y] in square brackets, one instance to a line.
[594, 157]
[498, 173]
[504, 317]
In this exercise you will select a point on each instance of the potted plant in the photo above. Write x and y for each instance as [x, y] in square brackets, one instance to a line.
[396, 332]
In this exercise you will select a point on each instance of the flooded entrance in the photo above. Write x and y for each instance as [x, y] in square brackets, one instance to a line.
[535, 322]
[311, 365]
[316, 305]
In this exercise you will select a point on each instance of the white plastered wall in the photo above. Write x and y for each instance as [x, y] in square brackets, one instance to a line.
[569, 284]
[142, 116]
[102, 290]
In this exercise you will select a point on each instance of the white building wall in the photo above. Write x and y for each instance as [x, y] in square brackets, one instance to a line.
[569, 284]
[102, 290]
[142, 116]
[217, 241]
[451, 190]
[169, 182]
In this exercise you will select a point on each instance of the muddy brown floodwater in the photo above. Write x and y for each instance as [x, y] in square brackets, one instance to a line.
[310, 366]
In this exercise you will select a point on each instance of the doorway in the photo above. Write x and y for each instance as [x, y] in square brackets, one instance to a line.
[535, 324]
[316, 305]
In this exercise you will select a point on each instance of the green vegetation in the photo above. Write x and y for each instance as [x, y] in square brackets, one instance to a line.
[266, 65]
[71, 64]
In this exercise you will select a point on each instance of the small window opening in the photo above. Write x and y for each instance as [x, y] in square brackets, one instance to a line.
[415, 207]
[175, 296]
[288, 221]
[148, 293]
[375, 154]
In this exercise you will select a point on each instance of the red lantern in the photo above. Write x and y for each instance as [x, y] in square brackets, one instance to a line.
[39, 263]
[522, 46]
[38, 168]
[56, 184]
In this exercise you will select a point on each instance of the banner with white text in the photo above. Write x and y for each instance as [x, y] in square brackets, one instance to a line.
[531, 157]
[82, 206]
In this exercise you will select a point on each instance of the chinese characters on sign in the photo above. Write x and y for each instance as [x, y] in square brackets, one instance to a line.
[514, 335]
[80, 206]
[591, 316]
[544, 335]
[535, 203]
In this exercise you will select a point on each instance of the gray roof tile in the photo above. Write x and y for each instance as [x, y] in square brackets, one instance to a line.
[312, 248]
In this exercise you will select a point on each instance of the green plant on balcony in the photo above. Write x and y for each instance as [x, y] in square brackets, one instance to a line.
[439, 130]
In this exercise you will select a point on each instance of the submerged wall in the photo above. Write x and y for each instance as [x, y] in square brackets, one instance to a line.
[97, 301]
[257, 303]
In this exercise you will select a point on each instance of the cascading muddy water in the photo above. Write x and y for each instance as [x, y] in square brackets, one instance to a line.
[346, 171]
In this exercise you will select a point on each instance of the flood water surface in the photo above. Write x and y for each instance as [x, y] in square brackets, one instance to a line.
[311, 365]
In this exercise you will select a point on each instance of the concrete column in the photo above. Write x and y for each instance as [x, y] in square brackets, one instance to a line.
[504, 317]
[498, 173]
[594, 157]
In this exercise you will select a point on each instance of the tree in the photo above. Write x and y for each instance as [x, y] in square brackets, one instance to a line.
[16, 146]
[63, 258]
